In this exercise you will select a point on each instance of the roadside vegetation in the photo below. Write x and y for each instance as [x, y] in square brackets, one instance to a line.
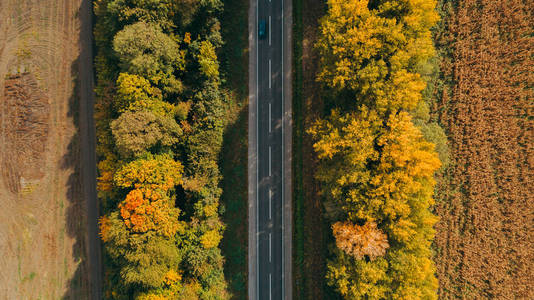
[160, 116]
[234, 153]
[309, 254]
[378, 147]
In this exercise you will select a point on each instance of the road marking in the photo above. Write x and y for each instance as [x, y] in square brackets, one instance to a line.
[270, 287]
[270, 197]
[270, 248]
[270, 127]
[269, 73]
[257, 161]
[282, 268]
[269, 160]
[269, 28]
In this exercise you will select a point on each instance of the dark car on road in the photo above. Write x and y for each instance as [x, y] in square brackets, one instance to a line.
[262, 31]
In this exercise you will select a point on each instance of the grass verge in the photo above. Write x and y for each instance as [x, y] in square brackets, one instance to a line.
[298, 196]
[312, 232]
[233, 158]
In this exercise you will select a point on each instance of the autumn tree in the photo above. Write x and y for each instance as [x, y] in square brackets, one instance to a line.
[155, 171]
[157, 67]
[207, 58]
[138, 132]
[144, 49]
[380, 173]
[360, 241]
[373, 48]
[148, 11]
[144, 259]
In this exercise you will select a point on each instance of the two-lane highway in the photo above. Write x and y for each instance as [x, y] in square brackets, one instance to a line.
[270, 150]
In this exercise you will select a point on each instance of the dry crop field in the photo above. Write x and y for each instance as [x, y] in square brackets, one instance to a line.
[486, 198]
[42, 220]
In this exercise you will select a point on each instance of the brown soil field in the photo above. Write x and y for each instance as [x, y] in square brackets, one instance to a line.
[485, 199]
[43, 220]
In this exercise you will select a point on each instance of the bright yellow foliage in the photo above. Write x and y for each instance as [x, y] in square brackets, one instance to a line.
[172, 277]
[135, 93]
[156, 172]
[210, 239]
[375, 52]
[207, 58]
[131, 88]
[382, 172]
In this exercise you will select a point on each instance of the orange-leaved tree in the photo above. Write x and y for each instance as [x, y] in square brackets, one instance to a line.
[360, 241]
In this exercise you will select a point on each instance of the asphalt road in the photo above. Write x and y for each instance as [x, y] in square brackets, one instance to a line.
[87, 147]
[270, 151]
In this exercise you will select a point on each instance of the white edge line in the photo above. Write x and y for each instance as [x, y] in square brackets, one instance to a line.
[283, 112]
[257, 160]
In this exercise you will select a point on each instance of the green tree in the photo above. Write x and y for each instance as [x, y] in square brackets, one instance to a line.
[144, 259]
[138, 132]
[144, 49]
[149, 11]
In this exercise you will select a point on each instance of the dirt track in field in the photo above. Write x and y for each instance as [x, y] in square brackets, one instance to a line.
[43, 220]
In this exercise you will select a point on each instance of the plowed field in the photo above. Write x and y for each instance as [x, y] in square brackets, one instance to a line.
[485, 200]
[42, 216]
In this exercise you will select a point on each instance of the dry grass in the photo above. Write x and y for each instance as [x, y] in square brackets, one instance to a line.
[42, 221]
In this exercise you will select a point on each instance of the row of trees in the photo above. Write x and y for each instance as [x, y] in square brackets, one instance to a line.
[160, 118]
[378, 148]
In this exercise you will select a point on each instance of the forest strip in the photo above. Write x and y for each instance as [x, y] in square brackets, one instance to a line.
[160, 117]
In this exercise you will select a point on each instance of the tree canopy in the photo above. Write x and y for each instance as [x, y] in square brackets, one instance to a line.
[144, 49]
[373, 48]
[377, 147]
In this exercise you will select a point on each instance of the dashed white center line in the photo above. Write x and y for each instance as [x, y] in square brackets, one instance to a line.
[269, 29]
[269, 160]
[270, 287]
[270, 73]
[270, 127]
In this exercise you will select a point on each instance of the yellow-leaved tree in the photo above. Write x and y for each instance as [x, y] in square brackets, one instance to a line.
[379, 173]
[373, 49]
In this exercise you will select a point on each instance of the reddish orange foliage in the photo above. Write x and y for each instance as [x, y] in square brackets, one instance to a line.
[146, 209]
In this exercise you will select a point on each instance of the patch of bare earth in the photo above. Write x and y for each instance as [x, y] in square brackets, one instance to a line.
[42, 220]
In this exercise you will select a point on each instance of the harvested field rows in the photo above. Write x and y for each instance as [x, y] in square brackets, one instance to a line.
[486, 198]
[42, 221]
